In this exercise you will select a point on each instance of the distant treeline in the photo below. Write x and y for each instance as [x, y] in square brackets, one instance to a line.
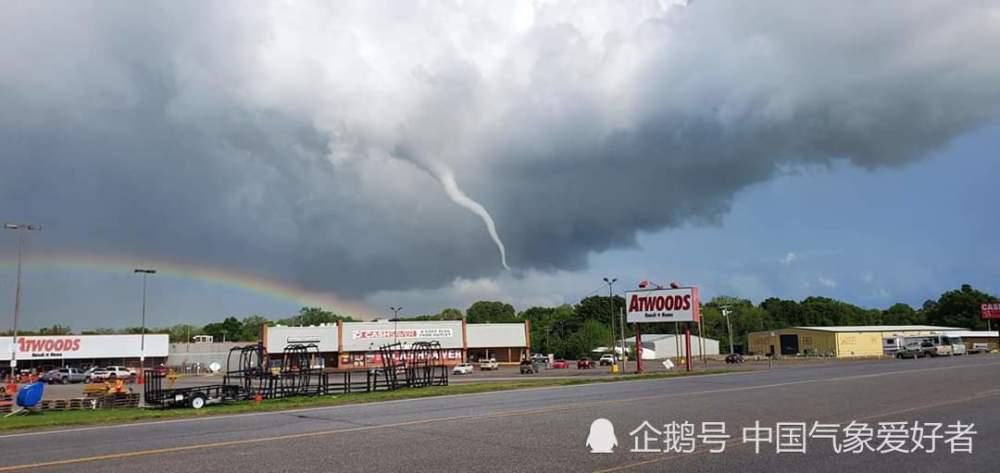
[572, 331]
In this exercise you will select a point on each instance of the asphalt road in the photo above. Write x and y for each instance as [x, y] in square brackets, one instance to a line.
[546, 429]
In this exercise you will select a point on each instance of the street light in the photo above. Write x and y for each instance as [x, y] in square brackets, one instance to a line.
[611, 307]
[142, 338]
[729, 327]
[20, 227]
[395, 322]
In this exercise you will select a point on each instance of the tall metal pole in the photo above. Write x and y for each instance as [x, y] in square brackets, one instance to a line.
[621, 328]
[611, 311]
[395, 321]
[20, 227]
[729, 328]
[142, 336]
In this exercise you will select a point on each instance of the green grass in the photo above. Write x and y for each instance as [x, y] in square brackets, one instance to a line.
[116, 416]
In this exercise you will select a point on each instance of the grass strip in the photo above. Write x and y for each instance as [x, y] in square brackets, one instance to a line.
[50, 419]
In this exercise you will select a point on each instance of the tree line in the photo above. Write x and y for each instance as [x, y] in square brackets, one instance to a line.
[574, 330]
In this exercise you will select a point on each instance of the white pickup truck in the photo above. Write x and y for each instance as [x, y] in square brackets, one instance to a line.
[111, 373]
[488, 364]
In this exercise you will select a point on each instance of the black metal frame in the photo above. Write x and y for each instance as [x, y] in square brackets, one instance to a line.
[251, 374]
[155, 395]
[420, 365]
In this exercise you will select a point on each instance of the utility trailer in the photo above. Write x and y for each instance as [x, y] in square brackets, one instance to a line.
[195, 396]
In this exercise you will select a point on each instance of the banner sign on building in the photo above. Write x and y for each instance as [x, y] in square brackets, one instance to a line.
[991, 310]
[83, 346]
[408, 333]
[663, 305]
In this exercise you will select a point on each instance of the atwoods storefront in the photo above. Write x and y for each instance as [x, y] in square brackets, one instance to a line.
[357, 344]
[81, 351]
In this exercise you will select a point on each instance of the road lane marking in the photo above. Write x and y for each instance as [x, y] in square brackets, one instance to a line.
[511, 413]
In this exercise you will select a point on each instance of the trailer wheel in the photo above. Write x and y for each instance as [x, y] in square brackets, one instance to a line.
[197, 400]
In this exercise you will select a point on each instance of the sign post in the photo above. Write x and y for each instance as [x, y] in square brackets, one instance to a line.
[638, 349]
[678, 304]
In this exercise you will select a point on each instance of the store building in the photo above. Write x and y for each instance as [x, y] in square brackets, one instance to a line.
[841, 342]
[507, 343]
[658, 346]
[42, 353]
[358, 344]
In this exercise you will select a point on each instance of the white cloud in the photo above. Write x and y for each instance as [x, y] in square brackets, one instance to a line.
[827, 282]
[788, 259]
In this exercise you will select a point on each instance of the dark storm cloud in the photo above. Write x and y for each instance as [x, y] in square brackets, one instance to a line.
[268, 139]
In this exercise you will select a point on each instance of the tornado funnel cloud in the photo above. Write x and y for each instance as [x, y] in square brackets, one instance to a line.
[447, 178]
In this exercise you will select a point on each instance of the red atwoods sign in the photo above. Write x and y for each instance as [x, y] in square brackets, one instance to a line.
[654, 303]
[29, 345]
[991, 310]
[663, 305]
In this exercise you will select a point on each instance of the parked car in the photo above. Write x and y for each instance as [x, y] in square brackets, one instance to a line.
[915, 350]
[529, 367]
[489, 364]
[95, 374]
[584, 364]
[464, 368]
[979, 348]
[111, 373]
[64, 376]
[608, 359]
[734, 358]
[559, 364]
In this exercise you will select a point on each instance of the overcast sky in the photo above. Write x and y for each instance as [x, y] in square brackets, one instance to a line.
[363, 150]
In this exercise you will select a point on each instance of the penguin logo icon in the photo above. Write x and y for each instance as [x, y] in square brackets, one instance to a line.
[602, 437]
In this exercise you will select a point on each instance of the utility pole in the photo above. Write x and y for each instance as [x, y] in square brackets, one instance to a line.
[20, 227]
[142, 338]
[611, 310]
[395, 322]
[621, 328]
[729, 327]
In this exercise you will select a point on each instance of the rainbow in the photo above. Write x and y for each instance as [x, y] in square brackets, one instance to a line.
[192, 272]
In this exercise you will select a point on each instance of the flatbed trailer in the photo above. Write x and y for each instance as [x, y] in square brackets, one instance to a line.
[194, 396]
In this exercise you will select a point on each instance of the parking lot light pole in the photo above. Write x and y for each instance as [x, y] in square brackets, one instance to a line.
[395, 322]
[729, 327]
[611, 311]
[142, 337]
[20, 227]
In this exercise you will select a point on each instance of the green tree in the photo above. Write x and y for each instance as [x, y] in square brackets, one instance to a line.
[446, 314]
[451, 314]
[228, 330]
[314, 316]
[55, 329]
[182, 333]
[490, 312]
[250, 331]
[98, 331]
[592, 334]
[902, 314]
[959, 308]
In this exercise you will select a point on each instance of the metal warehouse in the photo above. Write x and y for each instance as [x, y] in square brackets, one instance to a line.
[841, 342]
[657, 346]
[357, 344]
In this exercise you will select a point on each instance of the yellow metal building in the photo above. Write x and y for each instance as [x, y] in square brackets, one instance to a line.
[841, 342]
